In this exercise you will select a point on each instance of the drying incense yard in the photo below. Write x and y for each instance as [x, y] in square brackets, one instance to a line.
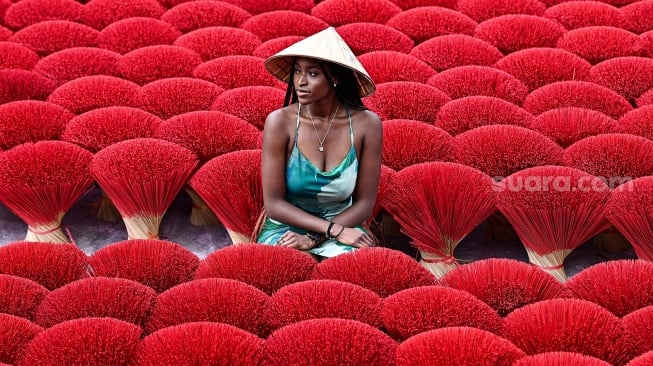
[515, 210]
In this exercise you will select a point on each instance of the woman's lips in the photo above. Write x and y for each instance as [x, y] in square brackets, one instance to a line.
[302, 93]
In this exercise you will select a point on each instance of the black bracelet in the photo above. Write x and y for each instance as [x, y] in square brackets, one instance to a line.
[340, 232]
[328, 230]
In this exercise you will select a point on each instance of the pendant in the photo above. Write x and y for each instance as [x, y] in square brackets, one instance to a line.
[320, 148]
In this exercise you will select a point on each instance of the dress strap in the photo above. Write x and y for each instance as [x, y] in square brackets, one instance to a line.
[351, 129]
[299, 110]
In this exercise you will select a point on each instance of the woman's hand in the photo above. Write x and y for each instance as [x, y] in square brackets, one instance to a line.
[293, 240]
[354, 237]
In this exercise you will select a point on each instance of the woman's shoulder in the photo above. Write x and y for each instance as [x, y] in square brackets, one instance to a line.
[279, 118]
[365, 118]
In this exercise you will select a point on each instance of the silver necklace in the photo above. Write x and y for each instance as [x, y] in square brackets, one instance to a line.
[321, 140]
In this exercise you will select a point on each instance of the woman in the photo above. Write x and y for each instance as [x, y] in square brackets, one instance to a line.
[321, 151]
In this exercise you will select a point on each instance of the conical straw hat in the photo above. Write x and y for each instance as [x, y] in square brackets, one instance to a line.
[326, 45]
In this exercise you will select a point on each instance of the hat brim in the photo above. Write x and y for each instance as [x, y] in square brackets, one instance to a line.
[327, 46]
[279, 67]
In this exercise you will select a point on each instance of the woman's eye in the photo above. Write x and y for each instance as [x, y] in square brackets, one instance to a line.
[313, 74]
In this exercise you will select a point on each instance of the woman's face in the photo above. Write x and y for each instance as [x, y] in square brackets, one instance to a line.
[311, 84]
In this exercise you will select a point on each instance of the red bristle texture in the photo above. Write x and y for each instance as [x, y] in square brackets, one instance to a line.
[417, 310]
[481, 10]
[617, 3]
[570, 325]
[193, 15]
[638, 122]
[158, 264]
[217, 300]
[31, 121]
[457, 346]
[387, 66]
[629, 76]
[271, 47]
[407, 142]
[100, 13]
[41, 181]
[237, 71]
[151, 63]
[387, 174]
[645, 99]
[464, 81]
[324, 299]
[341, 12]
[616, 157]
[17, 56]
[282, 23]
[642, 360]
[629, 211]
[264, 6]
[514, 32]
[209, 134]
[28, 12]
[460, 115]
[18, 84]
[260, 101]
[600, 43]
[553, 210]
[214, 42]
[265, 267]
[537, 67]
[86, 341]
[100, 128]
[437, 205]
[133, 33]
[629, 282]
[579, 94]
[505, 284]
[382, 270]
[340, 341]
[501, 150]
[368, 37]
[20, 296]
[560, 359]
[97, 91]
[170, 97]
[51, 265]
[100, 297]
[230, 184]
[567, 125]
[410, 4]
[446, 52]
[142, 177]
[201, 343]
[4, 5]
[424, 23]
[72, 63]
[5, 33]
[406, 99]
[639, 324]
[580, 14]
[55, 35]
[638, 16]
[15, 335]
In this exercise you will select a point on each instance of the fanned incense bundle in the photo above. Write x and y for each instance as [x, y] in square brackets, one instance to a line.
[208, 134]
[507, 33]
[201, 343]
[102, 127]
[192, 15]
[437, 205]
[424, 22]
[133, 33]
[15, 336]
[231, 185]
[142, 177]
[554, 210]
[40, 181]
